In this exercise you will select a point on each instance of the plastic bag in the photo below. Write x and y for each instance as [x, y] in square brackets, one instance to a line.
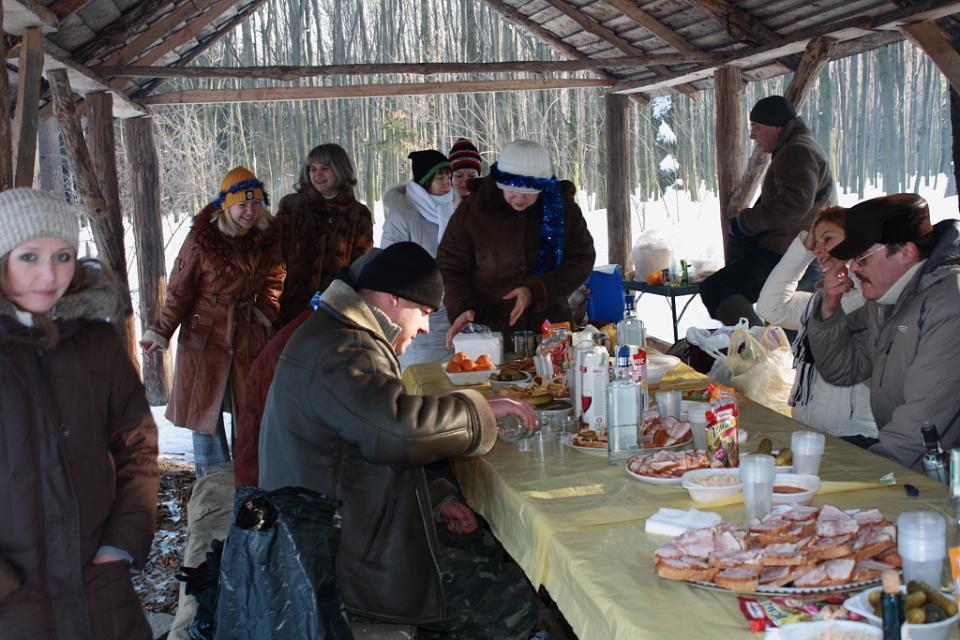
[707, 350]
[650, 253]
[761, 364]
[278, 574]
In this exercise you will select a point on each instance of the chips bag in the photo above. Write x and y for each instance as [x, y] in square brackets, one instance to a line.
[723, 438]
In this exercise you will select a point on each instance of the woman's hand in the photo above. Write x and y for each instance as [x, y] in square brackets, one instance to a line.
[462, 320]
[148, 347]
[503, 407]
[836, 282]
[459, 517]
[523, 297]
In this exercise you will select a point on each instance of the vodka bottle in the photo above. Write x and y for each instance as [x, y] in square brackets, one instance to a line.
[933, 459]
[624, 411]
[630, 330]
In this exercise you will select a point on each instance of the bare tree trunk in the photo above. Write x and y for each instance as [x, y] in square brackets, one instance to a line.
[144, 170]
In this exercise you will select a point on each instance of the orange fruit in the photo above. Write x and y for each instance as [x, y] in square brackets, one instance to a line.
[467, 365]
[454, 367]
[459, 356]
[479, 366]
[484, 360]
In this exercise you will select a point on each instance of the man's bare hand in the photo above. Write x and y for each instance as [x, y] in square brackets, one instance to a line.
[459, 517]
[462, 320]
[503, 407]
[836, 282]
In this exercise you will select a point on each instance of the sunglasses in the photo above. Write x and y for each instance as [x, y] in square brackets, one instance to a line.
[862, 259]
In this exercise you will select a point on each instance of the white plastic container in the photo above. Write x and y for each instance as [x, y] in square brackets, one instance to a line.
[727, 483]
[477, 344]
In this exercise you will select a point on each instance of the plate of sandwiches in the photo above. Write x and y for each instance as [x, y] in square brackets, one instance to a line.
[794, 550]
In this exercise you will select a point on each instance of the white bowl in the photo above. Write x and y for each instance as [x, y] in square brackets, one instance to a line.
[469, 377]
[810, 483]
[818, 629]
[659, 365]
[860, 604]
[705, 493]
[522, 382]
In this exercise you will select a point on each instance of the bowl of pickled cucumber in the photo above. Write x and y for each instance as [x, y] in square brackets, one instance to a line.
[783, 458]
[930, 614]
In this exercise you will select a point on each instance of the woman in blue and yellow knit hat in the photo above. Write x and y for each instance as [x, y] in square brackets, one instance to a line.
[223, 294]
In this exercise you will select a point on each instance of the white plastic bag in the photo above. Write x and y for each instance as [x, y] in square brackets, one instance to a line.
[761, 364]
[650, 253]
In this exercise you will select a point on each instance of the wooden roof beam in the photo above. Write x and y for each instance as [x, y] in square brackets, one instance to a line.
[511, 15]
[63, 9]
[156, 31]
[841, 30]
[928, 37]
[742, 25]
[650, 22]
[288, 73]
[120, 30]
[590, 25]
[19, 15]
[275, 94]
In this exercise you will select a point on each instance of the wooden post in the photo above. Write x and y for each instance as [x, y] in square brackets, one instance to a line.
[48, 149]
[6, 140]
[928, 37]
[728, 86]
[816, 56]
[103, 153]
[28, 107]
[619, 235]
[144, 170]
[107, 225]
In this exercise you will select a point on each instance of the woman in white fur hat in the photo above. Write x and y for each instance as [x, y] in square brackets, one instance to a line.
[513, 254]
[78, 446]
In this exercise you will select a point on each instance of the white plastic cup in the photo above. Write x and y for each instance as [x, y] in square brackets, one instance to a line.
[807, 447]
[668, 403]
[698, 424]
[921, 543]
[757, 472]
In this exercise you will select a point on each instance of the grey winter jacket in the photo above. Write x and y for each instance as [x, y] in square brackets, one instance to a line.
[909, 352]
[339, 421]
[404, 224]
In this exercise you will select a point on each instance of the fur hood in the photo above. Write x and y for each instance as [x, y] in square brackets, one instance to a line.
[227, 250]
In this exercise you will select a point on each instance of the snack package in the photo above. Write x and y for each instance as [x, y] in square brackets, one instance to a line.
[557, 346]
[697, 395]
[780, 610]
[723, 437]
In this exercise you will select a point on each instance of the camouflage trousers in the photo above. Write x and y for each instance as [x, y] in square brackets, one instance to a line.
[485, 597]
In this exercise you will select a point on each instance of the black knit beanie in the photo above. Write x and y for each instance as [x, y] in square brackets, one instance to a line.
[426, 164]
[406, 270]
[775, 111]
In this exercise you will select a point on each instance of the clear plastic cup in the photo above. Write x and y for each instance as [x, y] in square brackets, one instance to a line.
[698, 424]
[807, 447]
[544, 365]
[668, 403]
[921, 543]
[524, 343]
[757, 472]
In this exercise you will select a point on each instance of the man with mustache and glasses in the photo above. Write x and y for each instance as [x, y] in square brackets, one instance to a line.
[906, 338]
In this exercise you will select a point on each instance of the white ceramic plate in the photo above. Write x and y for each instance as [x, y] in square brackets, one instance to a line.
[652, 479]
[658, 365]
[591, 450]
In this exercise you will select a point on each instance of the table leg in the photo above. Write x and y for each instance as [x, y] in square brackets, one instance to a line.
[673, 314]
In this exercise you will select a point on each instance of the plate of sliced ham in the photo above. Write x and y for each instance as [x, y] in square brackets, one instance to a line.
[666, 467]
[795, 550]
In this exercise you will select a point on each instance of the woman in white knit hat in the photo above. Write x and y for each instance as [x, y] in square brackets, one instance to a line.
[516, 250]
[78, 446]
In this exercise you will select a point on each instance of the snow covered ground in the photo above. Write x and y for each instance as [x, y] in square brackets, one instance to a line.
[691, 228]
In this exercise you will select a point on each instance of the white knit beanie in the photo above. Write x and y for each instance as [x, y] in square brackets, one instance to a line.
[524, 158]
[26, 213]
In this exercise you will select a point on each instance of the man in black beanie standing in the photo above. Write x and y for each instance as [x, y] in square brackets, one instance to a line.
[797, 185]
[339, 421]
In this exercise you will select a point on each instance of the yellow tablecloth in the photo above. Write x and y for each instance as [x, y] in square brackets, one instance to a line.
[574, 523]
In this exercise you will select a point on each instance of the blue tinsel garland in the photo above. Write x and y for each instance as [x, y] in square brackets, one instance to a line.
[253, 183]
[550, 252]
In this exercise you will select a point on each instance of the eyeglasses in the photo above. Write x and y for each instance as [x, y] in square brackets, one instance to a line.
[862, 259]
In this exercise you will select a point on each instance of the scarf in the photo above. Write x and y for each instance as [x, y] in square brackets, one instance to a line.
[435, 209]
[550, 251]
[803, 359]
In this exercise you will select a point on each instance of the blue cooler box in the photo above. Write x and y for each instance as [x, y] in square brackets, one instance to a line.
[606, 294]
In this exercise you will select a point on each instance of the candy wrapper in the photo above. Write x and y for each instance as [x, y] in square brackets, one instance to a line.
[779, 610]
[723, 438]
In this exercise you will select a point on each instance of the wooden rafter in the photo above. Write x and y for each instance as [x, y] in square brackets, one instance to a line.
[928, 37]
[847, 29]
[267, 94]
[591, 25]
[26, 118]
[6, 137]
[120, 30]
[650, 22]
[157, 31]
[19, 15]
[288, 72]
[63, 9]
[221, 31]
[742, 25]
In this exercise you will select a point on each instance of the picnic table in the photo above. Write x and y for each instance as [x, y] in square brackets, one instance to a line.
[575, 524]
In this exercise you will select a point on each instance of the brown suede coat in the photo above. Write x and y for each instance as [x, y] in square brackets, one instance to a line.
[223, 293]
[78, 470]
[318, 238]
[489, 249]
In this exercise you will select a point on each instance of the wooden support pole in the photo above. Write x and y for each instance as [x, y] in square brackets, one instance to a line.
[6, 139]
[816, 56]
[28, 106]
[619, 232]
[928, 37]
[107, 225]
[103, 153]
[728, 86]
[144, 170]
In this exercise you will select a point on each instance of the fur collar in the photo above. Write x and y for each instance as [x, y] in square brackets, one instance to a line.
[97, 301]
[229, 251]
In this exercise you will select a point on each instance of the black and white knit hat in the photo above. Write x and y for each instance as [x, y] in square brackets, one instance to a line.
[26, 213]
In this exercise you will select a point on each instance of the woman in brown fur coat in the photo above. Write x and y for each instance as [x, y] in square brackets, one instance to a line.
[224, 295]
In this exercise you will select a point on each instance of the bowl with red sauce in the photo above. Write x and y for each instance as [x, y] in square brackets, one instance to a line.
[794, 488]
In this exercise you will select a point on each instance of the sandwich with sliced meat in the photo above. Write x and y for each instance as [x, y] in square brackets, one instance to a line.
[686, 568]
[786, 553]
[829, 548]
[738, 579]
[784, 575]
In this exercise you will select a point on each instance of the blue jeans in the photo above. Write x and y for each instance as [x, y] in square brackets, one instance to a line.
[210, 449]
